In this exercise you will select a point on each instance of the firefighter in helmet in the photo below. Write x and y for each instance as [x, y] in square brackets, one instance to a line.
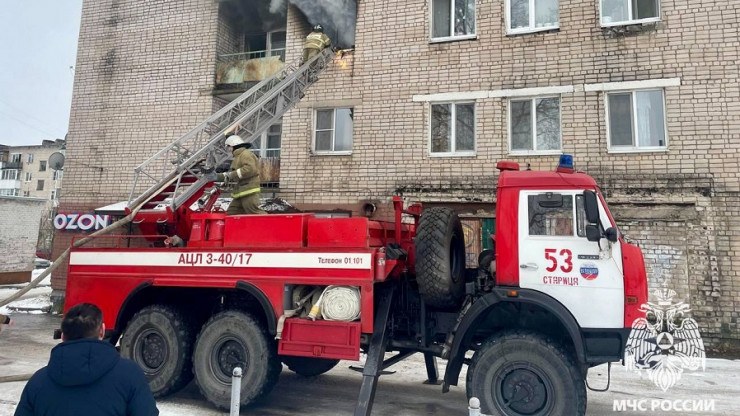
[316, 41]
[245, 173]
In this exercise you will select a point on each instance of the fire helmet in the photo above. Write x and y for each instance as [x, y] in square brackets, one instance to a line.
[318, 28]
[234, 141]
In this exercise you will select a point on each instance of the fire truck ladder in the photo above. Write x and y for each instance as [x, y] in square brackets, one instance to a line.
[175, 174]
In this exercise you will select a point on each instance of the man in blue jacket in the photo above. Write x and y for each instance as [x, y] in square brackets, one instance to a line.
[86, 376]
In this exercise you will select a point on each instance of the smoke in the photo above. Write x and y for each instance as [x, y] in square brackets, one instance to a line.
[276, 6]
[338, 17]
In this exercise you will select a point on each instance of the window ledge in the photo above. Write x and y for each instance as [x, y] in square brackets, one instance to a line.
[453, 38]
[536, 153]
[630, 22]
[638, 150]
[455, 154]
[314, 153]
[529, 31]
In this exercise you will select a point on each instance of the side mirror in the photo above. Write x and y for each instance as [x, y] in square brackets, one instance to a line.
[591, 204]
[610, 233]
[593, 232]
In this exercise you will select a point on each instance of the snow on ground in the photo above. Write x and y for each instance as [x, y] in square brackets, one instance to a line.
[36, 301]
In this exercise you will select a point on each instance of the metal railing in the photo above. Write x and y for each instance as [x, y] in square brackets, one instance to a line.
[201, 149]
[245, 56]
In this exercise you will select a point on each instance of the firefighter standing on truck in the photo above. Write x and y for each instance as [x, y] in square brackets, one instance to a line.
[316, 41]
[245, 173]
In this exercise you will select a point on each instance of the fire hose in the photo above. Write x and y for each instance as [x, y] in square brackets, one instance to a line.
[340, 303]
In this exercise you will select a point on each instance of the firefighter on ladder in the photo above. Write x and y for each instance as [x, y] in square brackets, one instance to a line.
[245, 173]
[316, 41]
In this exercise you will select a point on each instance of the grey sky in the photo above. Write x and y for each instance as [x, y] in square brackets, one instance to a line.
[38, 44]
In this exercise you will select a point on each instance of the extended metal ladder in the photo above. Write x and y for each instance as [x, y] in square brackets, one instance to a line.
[176, 171]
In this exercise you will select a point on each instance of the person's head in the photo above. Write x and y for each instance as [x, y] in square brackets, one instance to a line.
[84, 320]
[318, 28]
[234, 142]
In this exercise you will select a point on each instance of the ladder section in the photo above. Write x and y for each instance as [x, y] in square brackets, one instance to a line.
[183, 163]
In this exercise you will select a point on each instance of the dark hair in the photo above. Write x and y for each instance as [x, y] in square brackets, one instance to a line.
[82, 321]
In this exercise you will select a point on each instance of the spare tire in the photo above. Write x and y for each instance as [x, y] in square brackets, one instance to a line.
[440, 258]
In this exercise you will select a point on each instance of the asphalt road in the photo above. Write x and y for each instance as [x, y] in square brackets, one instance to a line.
[25, 348]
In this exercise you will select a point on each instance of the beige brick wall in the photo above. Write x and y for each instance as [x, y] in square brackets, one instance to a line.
[696, 178]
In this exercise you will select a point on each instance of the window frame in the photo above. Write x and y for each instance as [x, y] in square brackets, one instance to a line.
[16, 158]
[40, 184]
[452, 37]
[42, 166]
[630, 21]
[29, 158]
[5, 175]
[453, 130]
[574, 195]
[262, 150]
[635, 148]
[534, 151]
[29, 177]
[531, 28]
[333, 130]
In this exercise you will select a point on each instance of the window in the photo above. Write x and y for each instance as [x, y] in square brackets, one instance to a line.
[40, 185]
[532, 15]
[636, 120]
[10, 174]
[53, 195]
[260, 45]
[15, 158]
[452, 19]
[9, 192]
[268, 145]
[621, 12]
[57, 175]
[42, 166]
[28, 176]
[29, 158]
[26, 193]
[534, 125]
[333, 133]
[453, 129]
[551, 214]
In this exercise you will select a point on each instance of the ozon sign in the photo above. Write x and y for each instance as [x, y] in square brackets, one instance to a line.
[84, 222]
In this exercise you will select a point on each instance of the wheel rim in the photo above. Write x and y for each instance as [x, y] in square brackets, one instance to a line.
[228, 353]
[520, 389]
[151, 351]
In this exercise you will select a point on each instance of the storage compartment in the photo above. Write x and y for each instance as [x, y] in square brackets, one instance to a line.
[269, 231]
[207, 229]
[338, 232]
[320, 339]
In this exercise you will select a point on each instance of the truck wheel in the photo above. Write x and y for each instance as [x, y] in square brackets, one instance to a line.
[521, 373]
[440, 258]
[308, 367]
[160, 341]
[230, 339]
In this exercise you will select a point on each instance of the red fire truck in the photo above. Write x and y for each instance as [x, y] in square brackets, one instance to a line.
[556, 296]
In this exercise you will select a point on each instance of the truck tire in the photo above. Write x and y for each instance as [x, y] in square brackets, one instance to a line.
[440, 258]
[308, 367]
[520, 373]
[230, 339]
[159, 339]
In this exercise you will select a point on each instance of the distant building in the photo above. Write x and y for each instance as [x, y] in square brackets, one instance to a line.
[26, 171]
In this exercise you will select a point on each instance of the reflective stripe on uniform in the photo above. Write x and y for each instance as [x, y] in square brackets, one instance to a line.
[245, 193]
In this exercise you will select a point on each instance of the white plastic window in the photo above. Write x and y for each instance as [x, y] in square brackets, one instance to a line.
[452, 19]
[532, 15]
[636, 120]
[452, 129]
[623, 12]
[534, 125]
[333, 131]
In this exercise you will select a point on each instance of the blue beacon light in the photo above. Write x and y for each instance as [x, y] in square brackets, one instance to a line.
[565, 164]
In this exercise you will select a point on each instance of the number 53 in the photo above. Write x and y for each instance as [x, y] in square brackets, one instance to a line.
[568, 259]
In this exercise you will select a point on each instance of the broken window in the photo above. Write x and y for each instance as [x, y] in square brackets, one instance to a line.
[532, 15]
[453, 18]
[534, 125]
[262, 45]
[620, 12]
[453, 129]
[636, 120]
[333, 132]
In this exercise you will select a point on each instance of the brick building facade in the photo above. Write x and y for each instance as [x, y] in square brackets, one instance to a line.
[426, 104]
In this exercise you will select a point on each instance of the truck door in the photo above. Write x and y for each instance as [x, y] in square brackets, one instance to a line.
[556, 258]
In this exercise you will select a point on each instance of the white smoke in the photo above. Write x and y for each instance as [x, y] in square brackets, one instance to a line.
[338, 17]
[276, 6]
